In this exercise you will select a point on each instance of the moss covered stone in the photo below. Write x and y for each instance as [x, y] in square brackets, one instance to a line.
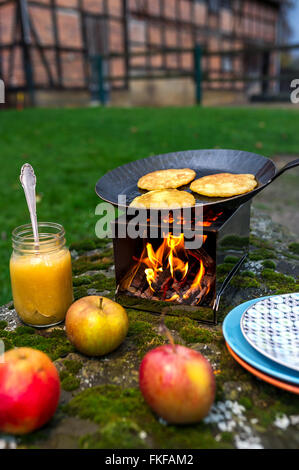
[142, 334]
[231, 259]
[72, 366]
[3, 324]
[294, 248]
[54, 343]
[105, 391]
[234, 242]
[245, 282]
[262, 254]
[190, 331]
[125, 421]
[70, 383]
[269, 264]
[99, 283]
[278, 282]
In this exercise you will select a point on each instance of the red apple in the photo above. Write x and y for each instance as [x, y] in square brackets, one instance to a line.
[29, 390]
[178, 383]
[96, 325]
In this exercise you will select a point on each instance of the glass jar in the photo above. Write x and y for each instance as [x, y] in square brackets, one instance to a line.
[41, 275]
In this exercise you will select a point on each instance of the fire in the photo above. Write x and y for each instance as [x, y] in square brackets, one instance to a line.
[165, 257]
[172, 273]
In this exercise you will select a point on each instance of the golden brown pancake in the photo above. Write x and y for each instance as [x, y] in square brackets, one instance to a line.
[224, 184]
[164, 199]
[166, 179]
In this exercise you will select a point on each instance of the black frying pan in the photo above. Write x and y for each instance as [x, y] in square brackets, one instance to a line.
[123, 180]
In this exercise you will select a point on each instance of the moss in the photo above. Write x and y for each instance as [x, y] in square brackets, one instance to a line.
[82, 281]
[25, 330]
[269, 264]
[224, 268]
[246, 402]
[261, 254]
[190, 331]
[88, 245]
[113, 407]
[294, 248]
[227, 437]
[278, 282]
[53, 343]
[244, 282]
[247, 274]
[123, 433]
[105, 402]
[70, 383]
[8, 344]
[229, 371]
[234, 242]
[193, 334]
[81, 265]
[143, 336]
[3, 324]
[259, 242]
[99, 282]
[272, 403]
[72, 366]
[231, 259]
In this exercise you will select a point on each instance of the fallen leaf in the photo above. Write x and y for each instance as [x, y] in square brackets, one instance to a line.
[259, 145]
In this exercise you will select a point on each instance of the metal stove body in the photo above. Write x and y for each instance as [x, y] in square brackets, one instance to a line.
[226, 242]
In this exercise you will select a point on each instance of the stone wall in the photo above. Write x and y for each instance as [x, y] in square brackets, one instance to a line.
[101, 405]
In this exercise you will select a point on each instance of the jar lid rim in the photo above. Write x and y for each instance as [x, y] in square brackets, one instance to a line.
[22, 232]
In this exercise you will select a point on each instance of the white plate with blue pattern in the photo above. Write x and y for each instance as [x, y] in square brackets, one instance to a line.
[271, 326]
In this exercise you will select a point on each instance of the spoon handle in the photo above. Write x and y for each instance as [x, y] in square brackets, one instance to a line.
[28, 181]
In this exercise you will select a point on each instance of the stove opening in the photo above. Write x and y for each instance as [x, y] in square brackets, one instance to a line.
[167, 271]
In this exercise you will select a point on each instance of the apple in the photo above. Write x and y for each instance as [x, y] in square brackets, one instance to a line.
[29, 390]
[96, 325]
[177, 383]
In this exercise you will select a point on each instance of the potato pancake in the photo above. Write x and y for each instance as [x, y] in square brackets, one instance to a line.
[164, 199]
[224, 184]
[166, 179]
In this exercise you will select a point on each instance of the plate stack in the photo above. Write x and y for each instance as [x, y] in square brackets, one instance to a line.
[262, 335]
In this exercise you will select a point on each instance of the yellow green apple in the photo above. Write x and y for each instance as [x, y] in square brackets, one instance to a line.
[96, 325]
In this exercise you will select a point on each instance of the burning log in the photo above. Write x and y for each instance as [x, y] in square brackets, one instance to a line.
[171, 273]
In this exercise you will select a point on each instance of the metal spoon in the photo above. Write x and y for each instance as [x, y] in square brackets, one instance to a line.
[28, 181]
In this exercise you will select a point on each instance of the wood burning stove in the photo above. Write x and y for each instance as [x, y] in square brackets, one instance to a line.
[161, 274]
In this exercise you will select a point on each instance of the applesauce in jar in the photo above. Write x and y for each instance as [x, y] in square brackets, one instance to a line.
[41, 275]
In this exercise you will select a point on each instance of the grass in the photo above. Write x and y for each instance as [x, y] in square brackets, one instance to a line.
[71, 148]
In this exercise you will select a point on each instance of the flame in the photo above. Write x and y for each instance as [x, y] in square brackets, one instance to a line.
[196, 284]
[173, 298]
[175, 263]
[170, 272]
[165, 256]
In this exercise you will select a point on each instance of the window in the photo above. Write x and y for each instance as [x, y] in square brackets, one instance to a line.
[226, 64]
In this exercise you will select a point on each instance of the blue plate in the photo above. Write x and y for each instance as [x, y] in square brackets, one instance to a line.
[235, 339]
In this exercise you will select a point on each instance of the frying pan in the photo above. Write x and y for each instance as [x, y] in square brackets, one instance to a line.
[123, 180]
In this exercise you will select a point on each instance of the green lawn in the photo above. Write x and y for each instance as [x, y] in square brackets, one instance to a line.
[71, 148]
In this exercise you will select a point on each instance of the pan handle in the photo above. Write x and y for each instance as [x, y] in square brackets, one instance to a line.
[288, 166]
